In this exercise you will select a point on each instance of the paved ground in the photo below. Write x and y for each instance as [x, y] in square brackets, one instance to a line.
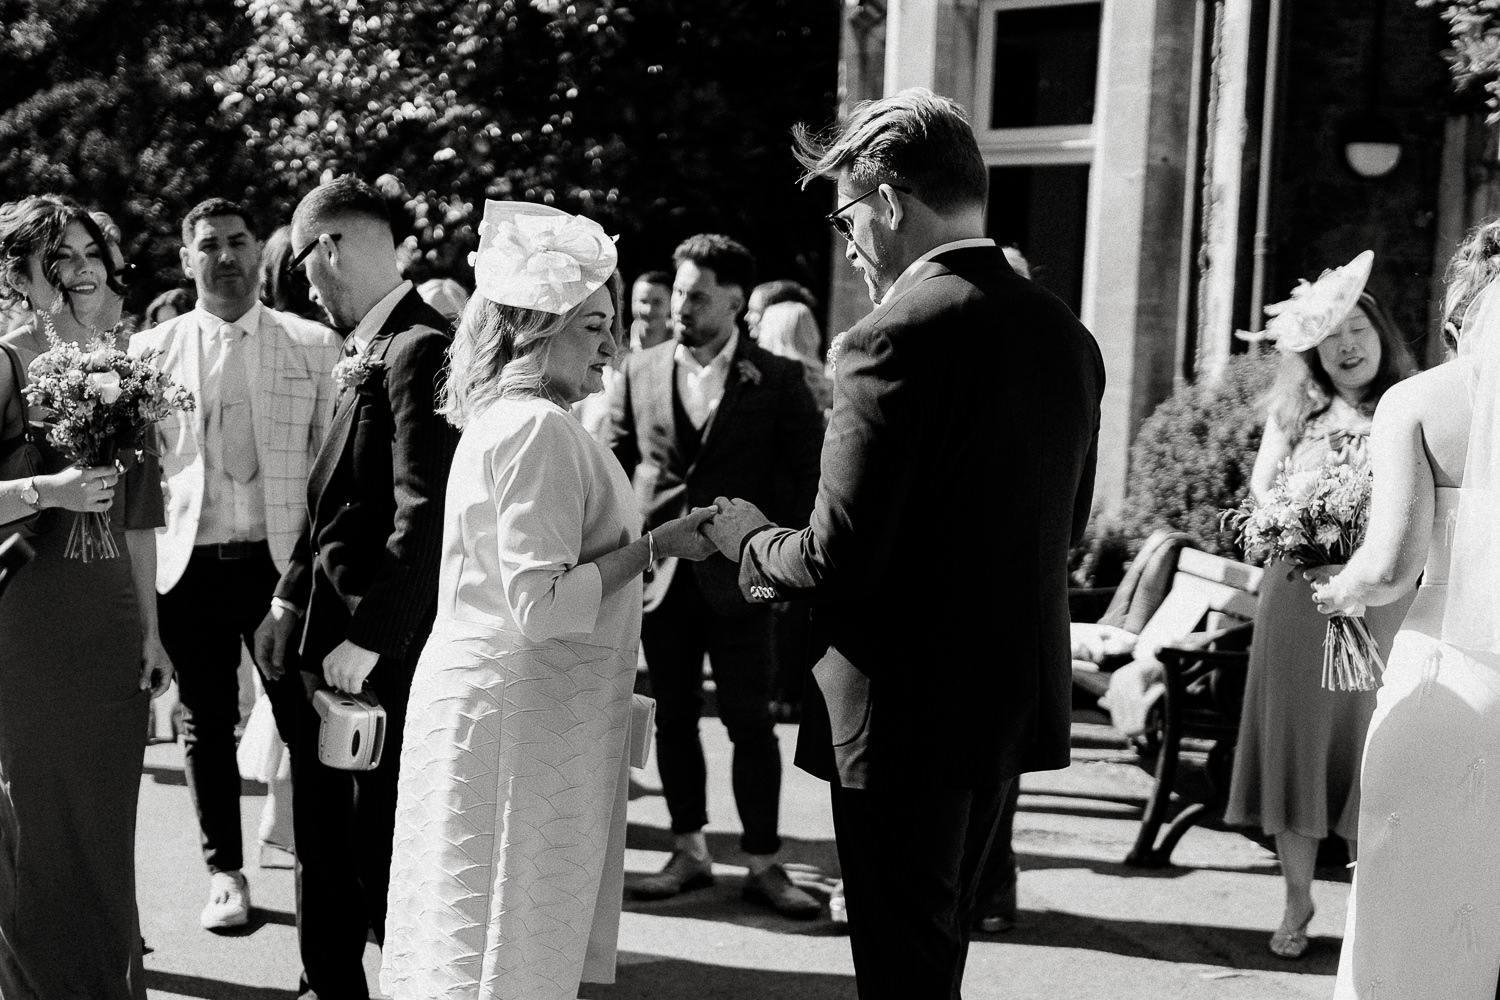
[1091, 927]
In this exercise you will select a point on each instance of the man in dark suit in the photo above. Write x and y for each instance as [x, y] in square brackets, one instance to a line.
[361, 590]
[710, 412]
[958, 469]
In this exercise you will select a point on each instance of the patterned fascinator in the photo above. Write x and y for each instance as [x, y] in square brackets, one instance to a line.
[1316, 308]
[538, 257]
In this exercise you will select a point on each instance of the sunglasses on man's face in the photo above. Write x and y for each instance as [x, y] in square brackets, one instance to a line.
[301, 255]
[842, 225]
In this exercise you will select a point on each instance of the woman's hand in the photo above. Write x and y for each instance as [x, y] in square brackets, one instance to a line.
[1327, 594]
[90, 490]
[156, 666]
[681, 539]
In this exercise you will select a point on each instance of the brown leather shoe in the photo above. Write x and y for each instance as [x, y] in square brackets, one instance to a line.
[774, 888]
[681, 873]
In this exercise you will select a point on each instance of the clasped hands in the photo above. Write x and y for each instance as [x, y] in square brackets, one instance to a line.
[698, 534]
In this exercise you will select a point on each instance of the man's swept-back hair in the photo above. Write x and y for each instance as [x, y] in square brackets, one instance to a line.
[730, 261]
[214, 208]
[343, 196]
[915, 139]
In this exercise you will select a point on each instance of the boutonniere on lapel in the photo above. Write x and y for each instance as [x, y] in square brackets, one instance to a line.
[748, 372]
[835, 346]
[359, 373]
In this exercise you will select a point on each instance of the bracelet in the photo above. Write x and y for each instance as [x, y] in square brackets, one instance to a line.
[650, 550]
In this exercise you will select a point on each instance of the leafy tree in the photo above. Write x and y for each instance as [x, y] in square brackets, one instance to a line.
[106, 101]
[1474, 59]
[660, 118]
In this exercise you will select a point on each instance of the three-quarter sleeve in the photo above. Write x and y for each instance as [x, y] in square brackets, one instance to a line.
[542, 481]
[143, 504]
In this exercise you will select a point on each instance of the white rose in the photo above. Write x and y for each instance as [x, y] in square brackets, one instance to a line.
[106, 386]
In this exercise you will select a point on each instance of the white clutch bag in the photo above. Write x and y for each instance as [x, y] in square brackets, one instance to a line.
[642, 728]
[352, 734]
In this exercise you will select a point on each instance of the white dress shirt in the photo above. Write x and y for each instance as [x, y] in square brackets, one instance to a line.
[232, 511]
[702, 386]
[368, 327]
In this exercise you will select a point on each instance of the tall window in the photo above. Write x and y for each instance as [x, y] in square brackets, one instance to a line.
[1039, 66]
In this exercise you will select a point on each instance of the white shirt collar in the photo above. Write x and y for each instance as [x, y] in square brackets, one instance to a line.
[906, 280]
[378, 314]
[683, 355]
[248, 321]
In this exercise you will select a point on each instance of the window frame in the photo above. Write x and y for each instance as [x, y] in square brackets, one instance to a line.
[1035, 146]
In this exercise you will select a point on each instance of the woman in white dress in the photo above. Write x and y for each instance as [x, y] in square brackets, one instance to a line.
[1424, 914]
[507, 875]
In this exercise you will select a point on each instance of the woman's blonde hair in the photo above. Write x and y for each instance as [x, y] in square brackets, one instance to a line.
[790, 330]
[501, 351]
[1475, 264]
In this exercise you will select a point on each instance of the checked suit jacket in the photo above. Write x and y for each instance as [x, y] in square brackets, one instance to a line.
[760, 444]
[292, 401]
[366, 568]
[958, 470]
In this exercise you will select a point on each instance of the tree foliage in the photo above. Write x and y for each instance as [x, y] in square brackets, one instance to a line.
[659, 118]
[1474, 59]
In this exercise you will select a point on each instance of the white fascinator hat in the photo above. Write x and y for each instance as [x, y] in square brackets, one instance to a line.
[539, 257]
[1316, 308]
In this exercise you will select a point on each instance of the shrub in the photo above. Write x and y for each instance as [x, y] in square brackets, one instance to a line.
[1193, 456]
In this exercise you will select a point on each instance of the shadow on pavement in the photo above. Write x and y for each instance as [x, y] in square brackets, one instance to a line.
[642, 977]
[1194, 944]
[209, 989]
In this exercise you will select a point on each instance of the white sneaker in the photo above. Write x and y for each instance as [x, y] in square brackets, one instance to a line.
[228, 902]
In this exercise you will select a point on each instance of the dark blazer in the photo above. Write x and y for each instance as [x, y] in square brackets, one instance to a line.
[958, 469]
[367, 567]
[761, 444]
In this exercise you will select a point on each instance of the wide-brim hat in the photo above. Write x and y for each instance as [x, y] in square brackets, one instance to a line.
[1316, 308]
[539, 257]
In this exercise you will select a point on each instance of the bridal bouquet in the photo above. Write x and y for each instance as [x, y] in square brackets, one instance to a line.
[1313, 518]
[98, 401]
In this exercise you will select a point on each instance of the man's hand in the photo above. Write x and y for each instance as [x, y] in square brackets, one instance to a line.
[271, 638]
[347, 667]
[735, 520]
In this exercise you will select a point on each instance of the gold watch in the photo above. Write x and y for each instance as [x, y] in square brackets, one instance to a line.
[29, 495]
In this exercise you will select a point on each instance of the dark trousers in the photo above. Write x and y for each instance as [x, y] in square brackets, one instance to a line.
[344, 822]
[205, 622]
[1000, 865]
[911, 858]
[676, 635]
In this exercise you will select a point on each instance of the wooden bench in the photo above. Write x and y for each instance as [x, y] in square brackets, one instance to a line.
[1199, 632]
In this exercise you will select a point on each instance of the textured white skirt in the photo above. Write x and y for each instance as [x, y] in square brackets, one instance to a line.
[508, 868]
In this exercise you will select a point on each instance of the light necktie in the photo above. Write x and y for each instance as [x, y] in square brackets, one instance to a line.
[236, 424]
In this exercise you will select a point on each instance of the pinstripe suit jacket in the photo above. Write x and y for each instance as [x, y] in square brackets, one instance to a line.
[293, 400]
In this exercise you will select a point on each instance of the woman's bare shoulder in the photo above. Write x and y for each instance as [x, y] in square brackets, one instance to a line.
[1432, 408]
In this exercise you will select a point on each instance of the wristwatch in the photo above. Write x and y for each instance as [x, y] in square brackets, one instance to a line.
[29, 496]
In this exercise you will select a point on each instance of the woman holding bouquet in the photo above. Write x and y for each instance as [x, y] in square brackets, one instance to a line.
[1296, 768]
[1424, 915]
[79, 654]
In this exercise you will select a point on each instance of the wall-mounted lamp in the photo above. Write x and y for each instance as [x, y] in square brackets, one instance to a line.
[1372, 146]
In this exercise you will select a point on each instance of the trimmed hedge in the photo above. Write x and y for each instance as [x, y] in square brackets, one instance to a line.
[1191, 459]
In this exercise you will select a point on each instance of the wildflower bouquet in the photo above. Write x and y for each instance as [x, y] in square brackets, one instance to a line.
[1313, 518]
[98, 401]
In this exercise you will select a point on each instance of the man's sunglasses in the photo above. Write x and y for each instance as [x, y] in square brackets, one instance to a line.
[843, 226]
[301, 255]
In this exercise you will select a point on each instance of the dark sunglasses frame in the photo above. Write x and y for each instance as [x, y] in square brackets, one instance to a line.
[843, 226]
[301, 255]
